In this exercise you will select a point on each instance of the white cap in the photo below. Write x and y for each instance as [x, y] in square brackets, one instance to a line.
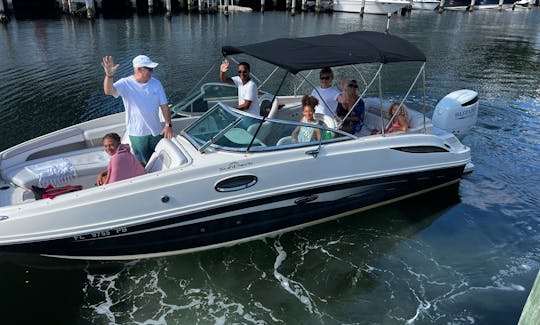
[142, 61]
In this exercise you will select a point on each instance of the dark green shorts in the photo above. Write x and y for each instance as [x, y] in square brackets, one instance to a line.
[143, 146]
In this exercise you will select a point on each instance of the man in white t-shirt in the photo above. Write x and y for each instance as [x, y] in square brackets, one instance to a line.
[143, 96]
[247, 89]
[326, 93]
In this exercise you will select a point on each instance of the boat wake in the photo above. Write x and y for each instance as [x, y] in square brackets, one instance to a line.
[293, 287]
[358, 274]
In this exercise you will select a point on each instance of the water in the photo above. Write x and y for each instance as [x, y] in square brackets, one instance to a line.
[439, 259]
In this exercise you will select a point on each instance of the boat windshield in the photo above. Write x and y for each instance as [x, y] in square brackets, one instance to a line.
[207, 96]
[224, 128]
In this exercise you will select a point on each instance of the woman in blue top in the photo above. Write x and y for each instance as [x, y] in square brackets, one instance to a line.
[346, 102]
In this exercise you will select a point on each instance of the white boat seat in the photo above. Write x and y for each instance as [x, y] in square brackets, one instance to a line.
[166, 155]
[266, 127]
[59, 169]
[416, 122]
[328, 121]
[285, 140]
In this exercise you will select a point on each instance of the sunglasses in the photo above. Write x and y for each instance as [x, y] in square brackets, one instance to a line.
[243, 72]
[352, 85]
[325, 78]
[149, 69]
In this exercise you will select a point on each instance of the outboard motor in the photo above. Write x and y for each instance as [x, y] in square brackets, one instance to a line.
[457, 112]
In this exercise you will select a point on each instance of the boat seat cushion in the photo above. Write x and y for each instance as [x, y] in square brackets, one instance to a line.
[60, 169]
[284, 141]
[166, 155]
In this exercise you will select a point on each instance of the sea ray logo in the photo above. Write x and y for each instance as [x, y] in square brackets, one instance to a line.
[465, 114]
[235, 165]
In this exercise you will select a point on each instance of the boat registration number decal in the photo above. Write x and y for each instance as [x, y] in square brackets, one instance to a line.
[101, 234]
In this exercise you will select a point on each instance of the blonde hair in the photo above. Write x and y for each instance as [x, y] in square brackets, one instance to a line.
[401, 110]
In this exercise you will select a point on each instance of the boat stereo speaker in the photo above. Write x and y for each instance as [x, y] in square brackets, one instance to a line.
[457, 112]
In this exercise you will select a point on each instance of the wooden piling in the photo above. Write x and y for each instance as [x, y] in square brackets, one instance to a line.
[262, 5]
[90, 10]
[304, 5]
[293, 7]
[363, 8]
[531, 312]
[168, 9]
[500, 5]
[65, 6]
[71, 8]
[150, 6]
[471, 6]
[3, 16]
[317, 6]
[441, 6]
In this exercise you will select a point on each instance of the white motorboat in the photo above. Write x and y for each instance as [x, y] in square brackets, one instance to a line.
[377, 7]
[506, 5]
[227, 176]
[425, 4]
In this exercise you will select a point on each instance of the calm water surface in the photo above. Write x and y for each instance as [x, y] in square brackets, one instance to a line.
[467, 257]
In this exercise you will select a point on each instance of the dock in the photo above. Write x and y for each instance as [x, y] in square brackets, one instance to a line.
[91, 9]
[531, 312]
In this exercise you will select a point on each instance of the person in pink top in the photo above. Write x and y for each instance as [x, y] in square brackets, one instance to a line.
[123, 164]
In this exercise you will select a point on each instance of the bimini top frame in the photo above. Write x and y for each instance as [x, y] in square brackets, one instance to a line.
[334, 50]
[316, 52]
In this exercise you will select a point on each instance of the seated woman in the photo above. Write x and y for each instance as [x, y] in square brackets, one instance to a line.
[346, 102]
[123, 164]
[304, 133]
[399, 123]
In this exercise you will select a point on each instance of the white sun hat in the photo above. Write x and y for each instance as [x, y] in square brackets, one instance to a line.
[142, 61]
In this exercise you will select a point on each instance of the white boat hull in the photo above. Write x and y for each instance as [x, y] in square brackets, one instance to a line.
[179, 210]
[371, 7]
[425, 5]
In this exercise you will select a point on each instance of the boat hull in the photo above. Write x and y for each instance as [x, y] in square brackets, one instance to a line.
[425, 5]
[371, 7]
[235, 223]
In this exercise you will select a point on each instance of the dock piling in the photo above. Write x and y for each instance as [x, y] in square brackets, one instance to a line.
[3, 16]
[262, 5]
[363, 8]
[470, 8]
[531, 312]
[440, 8]
[90, 10]
[168, 9]
[293, 7]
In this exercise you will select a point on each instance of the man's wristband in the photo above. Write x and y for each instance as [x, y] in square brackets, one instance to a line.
[109, 76]
[168, 124]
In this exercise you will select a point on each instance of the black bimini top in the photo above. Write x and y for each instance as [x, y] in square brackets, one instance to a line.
[307, 53]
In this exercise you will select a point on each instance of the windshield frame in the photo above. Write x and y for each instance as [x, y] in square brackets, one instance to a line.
[202, 144]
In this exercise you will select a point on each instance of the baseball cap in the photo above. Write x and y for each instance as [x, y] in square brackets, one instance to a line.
[142, 61]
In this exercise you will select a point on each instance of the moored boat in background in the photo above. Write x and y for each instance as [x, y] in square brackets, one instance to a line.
[378, 7]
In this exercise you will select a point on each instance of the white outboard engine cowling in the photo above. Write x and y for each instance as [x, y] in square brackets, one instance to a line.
[457, 112]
